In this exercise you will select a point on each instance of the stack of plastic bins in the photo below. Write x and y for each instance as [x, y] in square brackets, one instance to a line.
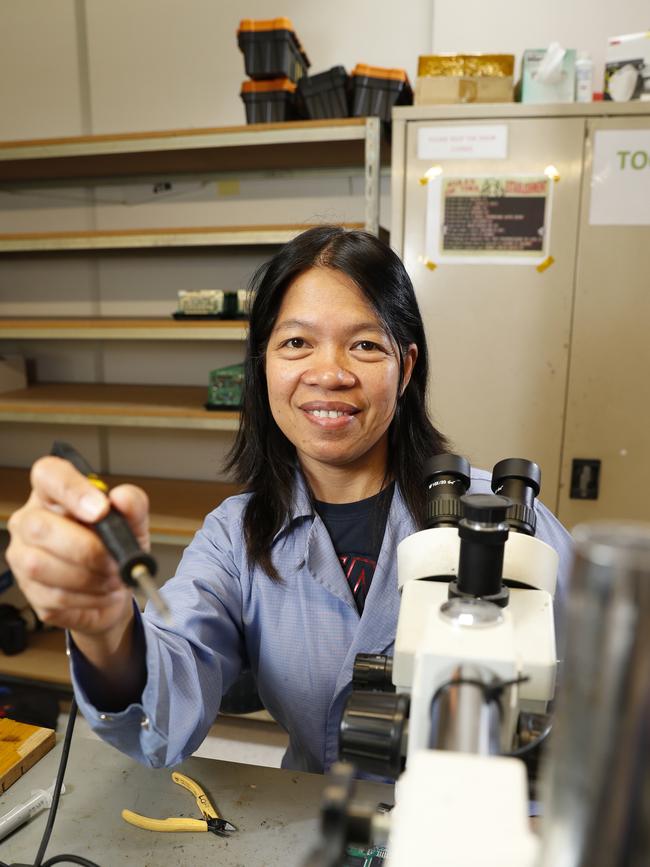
[325, 94]
[269, 101]
[271, 49]
[376, 90]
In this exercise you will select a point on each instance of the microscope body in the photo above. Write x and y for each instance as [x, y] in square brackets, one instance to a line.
[429, 646]
[460, 789]
[474, 654]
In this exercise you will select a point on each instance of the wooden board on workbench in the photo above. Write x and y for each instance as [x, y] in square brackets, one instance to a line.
[21, 746]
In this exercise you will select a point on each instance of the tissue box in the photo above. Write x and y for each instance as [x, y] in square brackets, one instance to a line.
[449, 78]
[13, 375]
[631, 49]
[535, 91]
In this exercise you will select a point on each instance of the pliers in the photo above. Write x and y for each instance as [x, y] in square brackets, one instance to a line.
[211, 821]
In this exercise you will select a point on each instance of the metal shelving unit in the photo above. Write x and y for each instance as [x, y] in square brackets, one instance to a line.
[177, 506]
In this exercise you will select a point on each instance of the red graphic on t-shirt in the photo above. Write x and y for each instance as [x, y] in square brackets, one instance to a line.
[358, 571]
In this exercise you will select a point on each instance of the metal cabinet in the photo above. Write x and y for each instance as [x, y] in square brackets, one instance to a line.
[547, 359]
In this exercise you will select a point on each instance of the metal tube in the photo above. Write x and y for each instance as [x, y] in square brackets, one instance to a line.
[462, 720]
[596, 791]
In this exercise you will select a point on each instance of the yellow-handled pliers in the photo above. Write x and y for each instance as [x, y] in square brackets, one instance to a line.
[211, 821]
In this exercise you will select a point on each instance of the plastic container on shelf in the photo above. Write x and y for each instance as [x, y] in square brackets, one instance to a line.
[376, 90]
[584, 77]
[325, 94]
[271, 49]
[269, 101]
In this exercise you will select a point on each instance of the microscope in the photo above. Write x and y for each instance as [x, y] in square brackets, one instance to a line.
[467, 692]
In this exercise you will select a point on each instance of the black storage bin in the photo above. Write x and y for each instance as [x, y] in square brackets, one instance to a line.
[376, 90]
[271, 49]
[269, 101]
[325, 94]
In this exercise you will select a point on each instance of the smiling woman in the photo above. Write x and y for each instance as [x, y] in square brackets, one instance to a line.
[336, 375]
[298, 574]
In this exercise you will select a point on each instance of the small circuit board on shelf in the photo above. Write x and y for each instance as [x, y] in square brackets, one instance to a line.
[212, 304]
[356, 857]
[225, 387]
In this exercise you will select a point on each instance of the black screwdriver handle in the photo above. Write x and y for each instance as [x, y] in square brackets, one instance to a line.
[113, 530]
[122, 545]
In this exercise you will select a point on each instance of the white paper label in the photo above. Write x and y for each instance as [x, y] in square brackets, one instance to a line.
[479, 141]
[620, 178]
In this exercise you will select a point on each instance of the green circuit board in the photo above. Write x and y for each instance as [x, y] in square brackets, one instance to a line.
[365, 857]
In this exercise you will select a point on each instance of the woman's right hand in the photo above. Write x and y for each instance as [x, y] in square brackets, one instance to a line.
[59, 562]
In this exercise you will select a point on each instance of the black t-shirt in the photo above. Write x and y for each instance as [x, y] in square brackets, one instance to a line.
[357, 531]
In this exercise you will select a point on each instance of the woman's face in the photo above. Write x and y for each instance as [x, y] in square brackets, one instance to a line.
[333, 373]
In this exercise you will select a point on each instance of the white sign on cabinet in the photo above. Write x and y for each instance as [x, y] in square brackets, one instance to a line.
[479, 141]
[620, 178]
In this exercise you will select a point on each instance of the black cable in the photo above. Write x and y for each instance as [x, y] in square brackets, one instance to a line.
[527, 748]
[57, 785]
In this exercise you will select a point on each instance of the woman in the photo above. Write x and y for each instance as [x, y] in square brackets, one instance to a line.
[294, 577]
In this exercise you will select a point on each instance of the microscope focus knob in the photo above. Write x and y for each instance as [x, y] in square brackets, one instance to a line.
[373, 728]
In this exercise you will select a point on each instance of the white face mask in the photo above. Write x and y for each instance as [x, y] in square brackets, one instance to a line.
[622, 83]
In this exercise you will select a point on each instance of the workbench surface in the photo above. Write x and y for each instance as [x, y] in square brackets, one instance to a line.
[276, 811]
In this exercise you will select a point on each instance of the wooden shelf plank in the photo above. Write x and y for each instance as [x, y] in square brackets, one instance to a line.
[44, 660]
[298, 144]
[177, 506]
[114, 328]
[115, 406]
[125, 239]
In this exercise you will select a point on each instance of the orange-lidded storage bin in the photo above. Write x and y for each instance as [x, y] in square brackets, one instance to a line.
[375, 90]
[269, 101]
[271, 49]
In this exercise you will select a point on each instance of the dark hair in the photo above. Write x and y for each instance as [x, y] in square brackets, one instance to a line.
[262, 458]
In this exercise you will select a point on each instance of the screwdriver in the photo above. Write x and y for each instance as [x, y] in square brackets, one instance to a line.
[137, 567]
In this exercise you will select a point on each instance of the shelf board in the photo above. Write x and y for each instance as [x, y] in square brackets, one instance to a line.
[177, 506]
[111, 405]
[44, 660]
[116, 328]
[125, 239]
[295, 145]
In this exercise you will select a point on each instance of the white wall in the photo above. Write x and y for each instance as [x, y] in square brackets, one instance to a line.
[167, 64]
[511, 26]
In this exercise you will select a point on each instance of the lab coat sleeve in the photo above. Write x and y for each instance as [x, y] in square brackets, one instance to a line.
[189, 664]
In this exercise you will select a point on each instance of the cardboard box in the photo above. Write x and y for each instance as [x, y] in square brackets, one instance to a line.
[633, 50]
[445, 89]
[13, 373]
[533, 90]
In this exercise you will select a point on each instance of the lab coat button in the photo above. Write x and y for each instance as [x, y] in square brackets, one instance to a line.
[105, 717]
[145, 722]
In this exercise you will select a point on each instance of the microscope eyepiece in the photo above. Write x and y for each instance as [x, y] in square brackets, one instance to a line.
[519, 480]
[447, 478]
[483, 533]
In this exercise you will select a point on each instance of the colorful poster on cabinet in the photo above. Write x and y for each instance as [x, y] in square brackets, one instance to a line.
[485, 219]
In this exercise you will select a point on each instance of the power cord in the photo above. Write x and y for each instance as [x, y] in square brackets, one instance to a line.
[57, 859]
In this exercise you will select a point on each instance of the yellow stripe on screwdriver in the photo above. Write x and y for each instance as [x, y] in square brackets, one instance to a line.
[98, 483]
